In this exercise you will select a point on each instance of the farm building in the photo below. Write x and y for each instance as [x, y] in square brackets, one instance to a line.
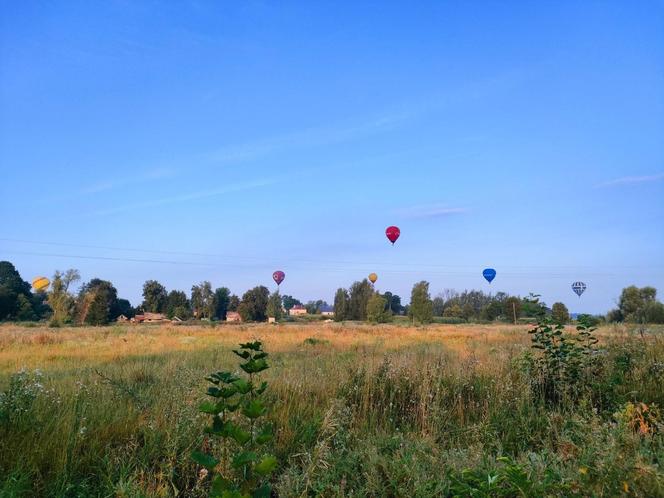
[298, 309]
[327, 310]
[122, 318]
[233, 316]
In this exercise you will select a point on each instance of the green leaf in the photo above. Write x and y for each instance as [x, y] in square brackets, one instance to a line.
[267, 465]
[209, 407]
[254, 409]
[227, 392]
[207, 461]
[254, 346]
[214, 391]
[262, 389]
[233, 494]
[265, 435]
[265, 491]
[242, 354]
[244, 458]
[219, 486]
[260, 356]
[242, 386]
[254, 366]
[241, 436]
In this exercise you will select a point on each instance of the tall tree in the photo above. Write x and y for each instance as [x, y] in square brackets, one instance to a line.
[341, 305]
[222, 297]
[421, 306]
[97, 302]
[274, 304]
[155, 297]
[11, 287]
[233, 303]
[202, 300]
[253, 307]
[60, 299]
[177, 304]
[377, 311]
[559, 313]
[359, 295]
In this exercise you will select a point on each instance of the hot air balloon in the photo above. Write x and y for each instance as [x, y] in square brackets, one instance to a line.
[40, 284]
[392, 233]
[373, 277]
[579, 288]
[278, 277]
[489, 274]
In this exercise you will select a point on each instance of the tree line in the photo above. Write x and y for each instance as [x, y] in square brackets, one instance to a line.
[97, 303]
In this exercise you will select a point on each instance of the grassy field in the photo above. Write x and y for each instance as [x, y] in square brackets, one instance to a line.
[360, 410]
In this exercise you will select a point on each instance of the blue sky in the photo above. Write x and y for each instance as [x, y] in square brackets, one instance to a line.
[184, 141]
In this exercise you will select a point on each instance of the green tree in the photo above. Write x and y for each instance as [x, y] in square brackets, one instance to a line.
[177, 304]
[341, 305]
[233, 303]
[559, 313]
[512, 307]
[274, 304]
[60, 300]
[421, 305]
[491, 311]
[253, 306]
[97, 302]
[377, 311]
[222, 297]
[392, 303]
[11, 287]
[532, 306]
[289, 302]
[313, 307]
[453, 311]
[155, 297]
[202, 300]
[634, 301]
[653, 312]
[438, 306]
[359, 295]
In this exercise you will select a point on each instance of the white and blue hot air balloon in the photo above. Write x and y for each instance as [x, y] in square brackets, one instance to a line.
[489, 274]
[579, 288]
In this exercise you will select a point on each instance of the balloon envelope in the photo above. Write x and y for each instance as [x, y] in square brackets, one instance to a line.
[373, 277]
[489, 274]
[278, 276]
[392, 233]
[40, 283]
[579, 288]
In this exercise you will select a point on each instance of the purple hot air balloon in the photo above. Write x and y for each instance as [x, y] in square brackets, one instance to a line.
[278, 277]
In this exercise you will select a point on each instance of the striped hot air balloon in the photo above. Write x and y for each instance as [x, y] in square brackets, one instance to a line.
[40, 284]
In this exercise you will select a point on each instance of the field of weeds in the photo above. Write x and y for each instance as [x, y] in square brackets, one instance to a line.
[359, 410]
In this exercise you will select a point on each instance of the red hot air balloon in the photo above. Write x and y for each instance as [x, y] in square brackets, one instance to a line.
[392, 233]
[278, 276]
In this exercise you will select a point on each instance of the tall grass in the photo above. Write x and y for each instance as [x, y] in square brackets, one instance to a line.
[444, 410]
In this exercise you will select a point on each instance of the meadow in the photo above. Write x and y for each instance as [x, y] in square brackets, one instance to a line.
[359, 410]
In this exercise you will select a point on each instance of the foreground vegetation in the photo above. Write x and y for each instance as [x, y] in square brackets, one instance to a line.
[358, 410]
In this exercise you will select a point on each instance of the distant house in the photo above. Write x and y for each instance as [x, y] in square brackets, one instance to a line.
[176, 319]
[122, 318]
[154, 317]
[138, 319]
[327, 310]
[298, 309]
[233, 316]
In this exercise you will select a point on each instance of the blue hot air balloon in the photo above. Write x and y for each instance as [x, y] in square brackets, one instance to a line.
[489, 274]
[579, 288]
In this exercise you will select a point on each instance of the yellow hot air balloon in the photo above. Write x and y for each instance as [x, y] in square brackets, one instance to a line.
[40, 284]
[373, 277]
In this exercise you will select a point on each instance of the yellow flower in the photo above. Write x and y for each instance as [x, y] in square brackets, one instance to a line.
[625, 486]
[583, 470]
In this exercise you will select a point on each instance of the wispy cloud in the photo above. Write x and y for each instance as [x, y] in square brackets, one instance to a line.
[312, 137]
[203, 194]
[630, 180]
[430, 211]
[123, 181]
